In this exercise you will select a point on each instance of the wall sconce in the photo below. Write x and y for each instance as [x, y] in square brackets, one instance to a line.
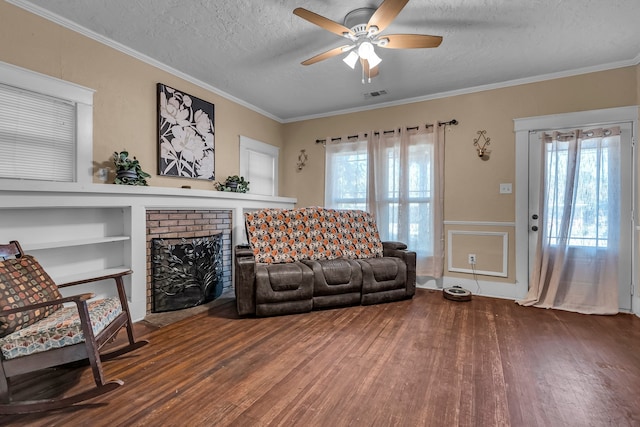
[302, 159]
[482, 146]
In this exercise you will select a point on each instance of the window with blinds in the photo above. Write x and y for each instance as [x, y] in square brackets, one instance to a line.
[259, 166]
[37, 136]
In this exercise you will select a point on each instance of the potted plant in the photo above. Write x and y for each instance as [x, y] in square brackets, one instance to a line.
[233, 183]
[128, 171]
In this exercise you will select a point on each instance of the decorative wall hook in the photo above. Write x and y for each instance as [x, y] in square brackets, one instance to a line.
[302, 159]
[481, 146]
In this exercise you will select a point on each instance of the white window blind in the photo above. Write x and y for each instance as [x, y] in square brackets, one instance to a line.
[37, 136]
[260, 173]
[259, 166]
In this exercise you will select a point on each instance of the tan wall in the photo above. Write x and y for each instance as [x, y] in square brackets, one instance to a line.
[125, 117]
[125, 99]
[471, 184]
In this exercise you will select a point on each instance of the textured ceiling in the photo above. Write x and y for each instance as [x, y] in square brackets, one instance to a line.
[251, 50]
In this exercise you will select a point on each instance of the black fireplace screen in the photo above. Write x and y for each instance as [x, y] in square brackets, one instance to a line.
[186, 272]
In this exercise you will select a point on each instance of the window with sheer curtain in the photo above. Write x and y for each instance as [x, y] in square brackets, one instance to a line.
[578, 256]
[346, 175]
[396, 176]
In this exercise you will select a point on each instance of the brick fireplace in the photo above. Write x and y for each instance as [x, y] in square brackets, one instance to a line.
[171, 224]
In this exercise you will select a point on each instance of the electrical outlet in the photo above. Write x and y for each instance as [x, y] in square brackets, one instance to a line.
[472, 259]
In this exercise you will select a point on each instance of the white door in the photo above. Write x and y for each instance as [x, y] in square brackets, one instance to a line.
[588, 222]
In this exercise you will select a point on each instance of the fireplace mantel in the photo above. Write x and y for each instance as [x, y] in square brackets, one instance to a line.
[75, 228]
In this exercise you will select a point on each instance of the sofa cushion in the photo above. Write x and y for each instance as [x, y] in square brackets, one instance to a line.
[60, 329]
[383, 274]
[23, 282]
[334, 276]
[283, 289]
[285, 277]
[336, 271]
[283, 282]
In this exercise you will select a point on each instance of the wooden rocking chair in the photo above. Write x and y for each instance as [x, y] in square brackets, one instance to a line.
[38, 332]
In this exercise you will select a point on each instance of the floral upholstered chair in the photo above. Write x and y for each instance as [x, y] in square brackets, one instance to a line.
[39, 328]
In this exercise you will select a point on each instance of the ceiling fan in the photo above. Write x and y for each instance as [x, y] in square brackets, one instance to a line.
[363, 27]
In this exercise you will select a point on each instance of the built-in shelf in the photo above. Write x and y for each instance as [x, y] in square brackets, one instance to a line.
[82, 231]
[69, 243]
[70, 278]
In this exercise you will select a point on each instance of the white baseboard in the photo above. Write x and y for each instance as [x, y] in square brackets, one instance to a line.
[480, 287]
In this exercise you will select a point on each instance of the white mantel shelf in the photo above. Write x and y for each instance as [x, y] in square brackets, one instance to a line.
[93, 226]
[24, 191]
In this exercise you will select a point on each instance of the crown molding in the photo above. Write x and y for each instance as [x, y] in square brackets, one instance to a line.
[517, 82]
[43, 13]
[64, 22]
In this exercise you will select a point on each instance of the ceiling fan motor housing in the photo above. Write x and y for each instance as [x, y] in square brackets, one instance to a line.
[357, 19]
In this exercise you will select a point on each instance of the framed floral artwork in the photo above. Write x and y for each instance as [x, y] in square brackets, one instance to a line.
[185, 135]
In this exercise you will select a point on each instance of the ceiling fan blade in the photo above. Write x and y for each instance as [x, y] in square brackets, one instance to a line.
[410, 41]
[328, 54]
[369, 73]
[322, 22]
[386, 13]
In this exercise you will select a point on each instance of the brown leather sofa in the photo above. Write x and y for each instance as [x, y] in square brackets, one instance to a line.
[302, 259]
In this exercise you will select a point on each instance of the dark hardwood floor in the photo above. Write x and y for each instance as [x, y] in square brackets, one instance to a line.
[422, 362]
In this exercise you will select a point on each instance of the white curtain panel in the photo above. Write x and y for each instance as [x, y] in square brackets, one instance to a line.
[576, 263]
[397, 176]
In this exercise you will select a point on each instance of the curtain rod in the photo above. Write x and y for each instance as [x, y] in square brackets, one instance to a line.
[451, 122]
[428, 125]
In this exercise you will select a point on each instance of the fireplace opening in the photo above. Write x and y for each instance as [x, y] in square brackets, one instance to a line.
[186, 272]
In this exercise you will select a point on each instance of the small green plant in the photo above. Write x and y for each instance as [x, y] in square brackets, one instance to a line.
[233, 183]
[128, 170]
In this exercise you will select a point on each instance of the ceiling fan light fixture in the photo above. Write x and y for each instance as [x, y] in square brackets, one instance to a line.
[374, 60]
[351, 59]
[365, 50]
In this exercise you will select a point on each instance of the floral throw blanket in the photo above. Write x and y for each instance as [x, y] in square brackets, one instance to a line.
[289, 235]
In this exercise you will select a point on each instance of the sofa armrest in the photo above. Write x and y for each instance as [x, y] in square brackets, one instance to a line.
[393, 245]
[399, 250]
[244, 251]
[245, 286]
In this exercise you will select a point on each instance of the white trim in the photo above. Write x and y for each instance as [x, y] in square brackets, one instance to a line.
[13, 75]
[505, 253]
[475, 89]
[64, 22]
[580, 118]
[477, 287]
[482, 223]
[81, 96]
